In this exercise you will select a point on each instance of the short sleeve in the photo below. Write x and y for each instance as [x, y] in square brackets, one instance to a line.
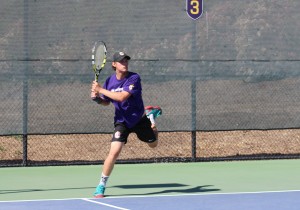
[133, 85]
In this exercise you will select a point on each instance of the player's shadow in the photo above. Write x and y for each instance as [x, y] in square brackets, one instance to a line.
[171, 188]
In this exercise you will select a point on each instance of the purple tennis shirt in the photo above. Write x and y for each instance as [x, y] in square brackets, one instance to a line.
[130, 111]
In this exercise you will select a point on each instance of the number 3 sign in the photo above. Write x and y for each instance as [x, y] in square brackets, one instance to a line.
[194, 8]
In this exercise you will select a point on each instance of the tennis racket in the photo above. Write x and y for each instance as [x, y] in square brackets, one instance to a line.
[98, 58]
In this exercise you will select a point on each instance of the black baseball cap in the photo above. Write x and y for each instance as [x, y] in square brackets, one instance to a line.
[118, 56]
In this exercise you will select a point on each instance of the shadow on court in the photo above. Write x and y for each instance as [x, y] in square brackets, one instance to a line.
[172, 188]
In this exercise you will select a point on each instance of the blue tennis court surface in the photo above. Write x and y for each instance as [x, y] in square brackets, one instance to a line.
[280, 200]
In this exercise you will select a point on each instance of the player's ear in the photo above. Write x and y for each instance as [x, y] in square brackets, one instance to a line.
[113, 65]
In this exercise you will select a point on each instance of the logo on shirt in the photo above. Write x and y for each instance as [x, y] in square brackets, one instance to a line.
[131, 86]
[117, 90]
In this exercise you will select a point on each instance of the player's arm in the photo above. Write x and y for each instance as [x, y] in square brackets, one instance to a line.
[116, 96]
[99, 100]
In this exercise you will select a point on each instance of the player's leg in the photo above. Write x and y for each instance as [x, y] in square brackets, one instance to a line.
[145, 132]
[155, 143]
[119, 139]
[152, 113]
[115, 150]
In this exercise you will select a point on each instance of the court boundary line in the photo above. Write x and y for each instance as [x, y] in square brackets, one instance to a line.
[104, 204]
[149, 196]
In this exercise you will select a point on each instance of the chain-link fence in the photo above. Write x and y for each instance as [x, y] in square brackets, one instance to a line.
[228, 82]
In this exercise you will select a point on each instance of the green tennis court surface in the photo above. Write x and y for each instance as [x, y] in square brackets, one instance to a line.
[60, 182]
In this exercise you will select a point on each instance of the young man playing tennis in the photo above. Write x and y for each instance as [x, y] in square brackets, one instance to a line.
[124, 90]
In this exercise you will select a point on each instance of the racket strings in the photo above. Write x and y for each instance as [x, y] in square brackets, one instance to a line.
[98, 58]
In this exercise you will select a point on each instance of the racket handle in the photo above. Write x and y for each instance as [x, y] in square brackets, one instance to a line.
[96, 77]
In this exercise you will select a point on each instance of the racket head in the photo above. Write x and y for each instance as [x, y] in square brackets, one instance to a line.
[99, 52]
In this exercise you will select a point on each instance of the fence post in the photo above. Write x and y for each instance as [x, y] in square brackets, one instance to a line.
[194, 113]
[194, 55]
[24, 162]
[25, 83]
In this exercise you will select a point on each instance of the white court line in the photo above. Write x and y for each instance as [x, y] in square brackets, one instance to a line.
[38, 200]
[206, 194]
[104, 204]
[158, 195]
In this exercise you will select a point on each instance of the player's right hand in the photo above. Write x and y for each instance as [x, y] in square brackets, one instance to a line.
[93, 94]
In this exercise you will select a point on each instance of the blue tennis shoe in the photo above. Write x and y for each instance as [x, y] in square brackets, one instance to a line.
[99, 193]
[155, 110]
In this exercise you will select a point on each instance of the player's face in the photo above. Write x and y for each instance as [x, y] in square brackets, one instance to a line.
[121, 66]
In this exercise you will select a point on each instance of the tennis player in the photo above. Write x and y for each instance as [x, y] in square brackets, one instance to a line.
[123, 89]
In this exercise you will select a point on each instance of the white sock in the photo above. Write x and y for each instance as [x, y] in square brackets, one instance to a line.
[103, 180]
[151, 117]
